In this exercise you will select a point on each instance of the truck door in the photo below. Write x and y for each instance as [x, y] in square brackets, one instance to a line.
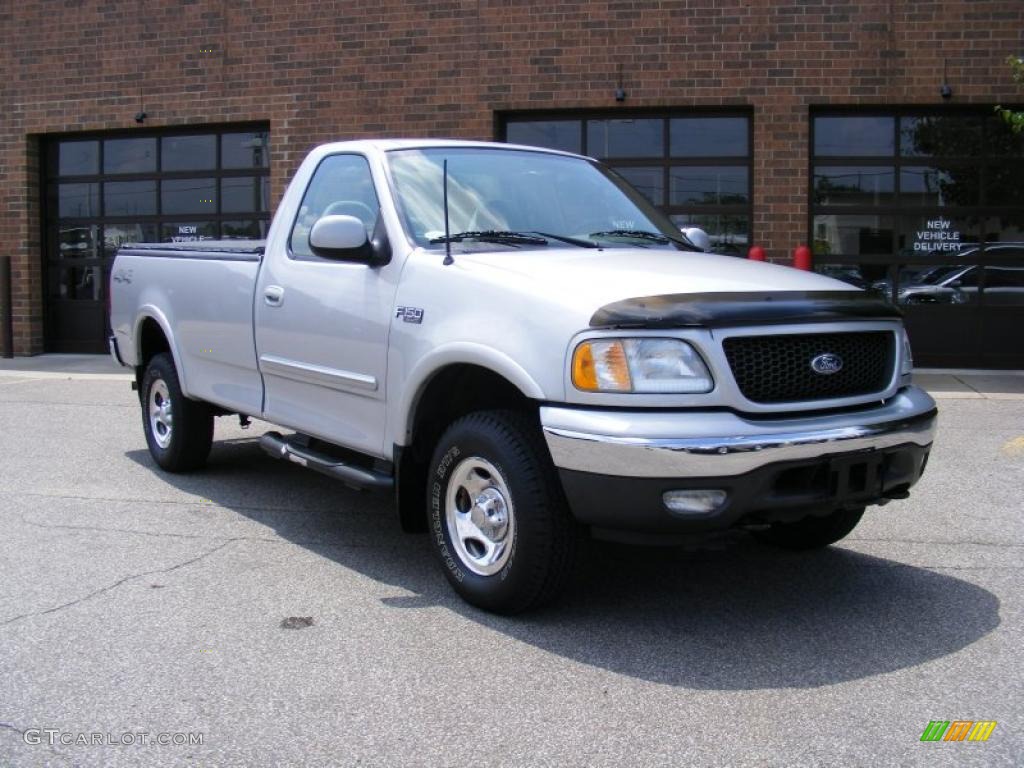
[321, 326]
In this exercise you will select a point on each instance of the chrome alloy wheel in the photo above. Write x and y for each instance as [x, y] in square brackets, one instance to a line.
[480, 517]
[161, 419]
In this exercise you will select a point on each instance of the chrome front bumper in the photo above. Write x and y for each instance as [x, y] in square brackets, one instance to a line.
[703, 444]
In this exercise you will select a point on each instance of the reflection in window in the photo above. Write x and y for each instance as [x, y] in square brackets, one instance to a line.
[626, 138]
[949, 284]
[77, 242]
[1004, 285]
[244, 194]
[869, 277]
[79, 283]
[853, 185]
[565, 135]
[245, 150]
[709, 185]
[78, 200]
[854, 136]
[650, 182]
[921, 185]
[129, 155]
[729, 234]
[188, 196]
[708, 137]
[852, 235]
[188, 153]
[1004, 184]
[940, 136]
[117, 235]
[243, 230]
[1005, 230]
[129, 198]
[77, 158]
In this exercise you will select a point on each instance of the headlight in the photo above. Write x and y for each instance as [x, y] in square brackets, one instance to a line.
[639, 365]
[908, 358]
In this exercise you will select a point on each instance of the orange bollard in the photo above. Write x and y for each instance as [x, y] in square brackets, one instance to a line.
[756, 253]
[802, 257]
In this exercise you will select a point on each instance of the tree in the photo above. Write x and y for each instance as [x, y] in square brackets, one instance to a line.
[1014, 119]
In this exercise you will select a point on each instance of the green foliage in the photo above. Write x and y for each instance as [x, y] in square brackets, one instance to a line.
[1014, 119]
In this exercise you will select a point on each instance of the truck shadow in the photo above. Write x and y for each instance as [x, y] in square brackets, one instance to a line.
[738, 617]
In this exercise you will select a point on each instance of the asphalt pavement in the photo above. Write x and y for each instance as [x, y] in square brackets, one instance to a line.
[282, 619]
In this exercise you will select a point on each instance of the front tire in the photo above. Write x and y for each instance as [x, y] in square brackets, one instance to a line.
[813, 532]
[497, 516]
[179, 431]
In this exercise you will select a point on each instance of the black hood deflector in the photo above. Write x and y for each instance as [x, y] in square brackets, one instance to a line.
[724, 310]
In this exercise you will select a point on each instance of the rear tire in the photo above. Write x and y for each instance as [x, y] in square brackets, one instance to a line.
[812, 532]
[497, 516]
[179, 431]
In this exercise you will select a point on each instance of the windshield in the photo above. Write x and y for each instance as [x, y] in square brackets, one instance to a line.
[521, 199]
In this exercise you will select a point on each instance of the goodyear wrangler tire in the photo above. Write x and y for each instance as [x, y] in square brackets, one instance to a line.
[813, 532]
[498, 519]
[179, 431]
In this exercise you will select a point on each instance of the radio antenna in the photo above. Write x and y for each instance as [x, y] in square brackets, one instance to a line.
[447, 234]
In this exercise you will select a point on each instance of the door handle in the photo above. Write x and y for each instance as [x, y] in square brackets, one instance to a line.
[273, 295]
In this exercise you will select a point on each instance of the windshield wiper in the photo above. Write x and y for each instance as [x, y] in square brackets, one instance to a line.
[494, 236]
[567, 239]
[654, 237]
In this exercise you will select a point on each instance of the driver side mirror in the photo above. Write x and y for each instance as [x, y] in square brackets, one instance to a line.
[342, 238]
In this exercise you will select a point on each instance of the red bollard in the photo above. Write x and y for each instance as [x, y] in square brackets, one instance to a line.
[756, 253]
[802, 257]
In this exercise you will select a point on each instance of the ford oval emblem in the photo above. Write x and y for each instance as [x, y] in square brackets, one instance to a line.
[827, 364]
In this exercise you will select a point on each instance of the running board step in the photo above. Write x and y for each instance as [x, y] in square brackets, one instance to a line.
[279, 447]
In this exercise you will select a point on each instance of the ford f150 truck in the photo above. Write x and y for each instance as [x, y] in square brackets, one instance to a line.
[522, 348]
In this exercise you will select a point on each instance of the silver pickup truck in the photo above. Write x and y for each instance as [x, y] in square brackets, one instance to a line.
[521, 348]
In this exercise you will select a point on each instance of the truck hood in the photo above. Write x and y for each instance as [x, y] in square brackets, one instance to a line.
[585, 280]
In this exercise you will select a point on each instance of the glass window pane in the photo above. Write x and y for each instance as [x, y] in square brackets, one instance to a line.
[77, 283]
[129, 198]
[188, 153]
[188, 232]
[1004, 285]
[77, 158]
[78, 200]
[729, 234]
[243, 230]
[940, 136]
[708, 184]
[1001, 140]
[626, 137]
[937, 237]
[854, 136]
[1004, 184]
[188, 196]
[939, 187]
[78, 242]
[1004, 230]
[648, 181]
[854, 185]
[852, 235]
[245, 150]
[129, 155]
[565, 135]
[244, 194]
[709, 137]
[116, 235]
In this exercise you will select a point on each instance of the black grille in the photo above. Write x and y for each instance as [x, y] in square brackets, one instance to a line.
[777, 369]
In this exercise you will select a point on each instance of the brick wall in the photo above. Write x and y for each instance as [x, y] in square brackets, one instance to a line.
[331, 70]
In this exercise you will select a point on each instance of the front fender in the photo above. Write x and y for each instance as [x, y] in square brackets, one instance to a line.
[455, 353]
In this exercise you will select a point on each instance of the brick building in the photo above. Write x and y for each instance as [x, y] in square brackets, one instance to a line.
[865, 129]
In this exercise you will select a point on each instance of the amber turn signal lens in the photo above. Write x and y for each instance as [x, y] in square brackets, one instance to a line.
[601, 366]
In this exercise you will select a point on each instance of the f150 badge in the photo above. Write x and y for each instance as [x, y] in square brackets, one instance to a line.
[410, 314]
